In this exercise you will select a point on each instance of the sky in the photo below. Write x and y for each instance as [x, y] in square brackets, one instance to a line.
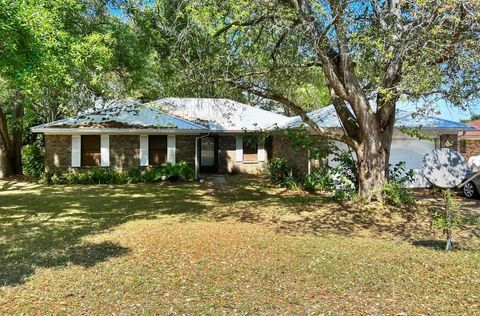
[446, 111]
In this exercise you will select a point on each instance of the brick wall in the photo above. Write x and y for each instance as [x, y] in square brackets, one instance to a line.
[472, 148]
[297, 157]
[124, 151]
[58, 153]
[227, 158]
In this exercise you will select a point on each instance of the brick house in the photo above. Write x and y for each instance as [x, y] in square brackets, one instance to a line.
[210, 135]
[131, 134]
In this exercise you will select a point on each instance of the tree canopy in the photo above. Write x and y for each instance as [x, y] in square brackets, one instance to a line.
[360, 56]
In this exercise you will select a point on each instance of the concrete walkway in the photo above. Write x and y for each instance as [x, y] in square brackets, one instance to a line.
[218, 181]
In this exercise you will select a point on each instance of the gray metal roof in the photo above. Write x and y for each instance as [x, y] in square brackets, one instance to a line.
[327, 118]
[220, 114]
[124, 114]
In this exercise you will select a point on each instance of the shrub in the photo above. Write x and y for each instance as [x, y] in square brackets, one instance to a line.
[277, 169]
[281, 174]
[395, 192]
[347, 167]
[134, 175]
[33, 160]
[168, 171]
[290, 182]
[399, 174]
[185, 172]
[344, 187]
[153, 175]
[345, 179]
[318, 180]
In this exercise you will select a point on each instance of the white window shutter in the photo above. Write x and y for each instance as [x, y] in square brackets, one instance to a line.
[261, 151]
[171, 148]
[105, 150]
[76, 148]
[239, 148]
[143, 150]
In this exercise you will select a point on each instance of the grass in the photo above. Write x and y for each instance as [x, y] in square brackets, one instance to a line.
[188, 248]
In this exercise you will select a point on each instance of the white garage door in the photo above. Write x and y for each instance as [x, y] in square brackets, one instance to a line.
[412, 152]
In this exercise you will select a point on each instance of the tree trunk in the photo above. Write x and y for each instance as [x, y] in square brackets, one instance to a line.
[373, 165]
[11, 149]
[17, 139]
[5, 165]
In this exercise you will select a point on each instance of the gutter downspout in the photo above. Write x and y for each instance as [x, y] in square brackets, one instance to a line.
[197, 163]
[309, 163]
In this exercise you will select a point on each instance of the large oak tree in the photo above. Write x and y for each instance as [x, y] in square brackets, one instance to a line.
[58, 57]
[367, 54]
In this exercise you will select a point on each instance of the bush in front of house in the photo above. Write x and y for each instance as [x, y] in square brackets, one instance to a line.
[165, 172]
[318, 180]
[282, 174]
[395, 191]
[342, 180]
[33, 160]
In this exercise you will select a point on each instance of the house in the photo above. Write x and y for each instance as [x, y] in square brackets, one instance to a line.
[207, 133]
[210, 135]
[469, 140]
[440, 133]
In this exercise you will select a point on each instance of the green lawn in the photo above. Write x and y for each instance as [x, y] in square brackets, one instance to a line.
[188, 248]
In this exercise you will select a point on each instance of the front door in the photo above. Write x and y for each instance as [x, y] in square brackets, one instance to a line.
[208, 154]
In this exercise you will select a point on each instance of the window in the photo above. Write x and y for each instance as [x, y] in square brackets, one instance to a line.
[250, 151]
[157, 149]
[463, 146]
[448, 141]
[90, 150]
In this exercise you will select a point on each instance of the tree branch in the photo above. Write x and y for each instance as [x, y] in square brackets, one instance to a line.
[251, 22]
[296, 108]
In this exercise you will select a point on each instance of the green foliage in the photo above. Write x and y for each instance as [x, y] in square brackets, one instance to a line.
[344, 187]
[33, 160]
[318, 180]
[396, 194]
[319, 148]
[166, 172]
[347, 168]
[399, 174]
[449, 218]
[416, 133]
[395, 191]
[253, 138]
[281, 173]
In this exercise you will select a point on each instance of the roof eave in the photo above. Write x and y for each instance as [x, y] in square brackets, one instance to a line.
[123, 131]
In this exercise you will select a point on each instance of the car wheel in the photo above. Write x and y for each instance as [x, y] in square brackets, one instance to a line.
[469, 190]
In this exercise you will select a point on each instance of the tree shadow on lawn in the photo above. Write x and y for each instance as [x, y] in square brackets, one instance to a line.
[44, 226]
[300, 213]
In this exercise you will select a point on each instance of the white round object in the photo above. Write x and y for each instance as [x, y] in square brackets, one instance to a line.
[474, 163]
[444, 168]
